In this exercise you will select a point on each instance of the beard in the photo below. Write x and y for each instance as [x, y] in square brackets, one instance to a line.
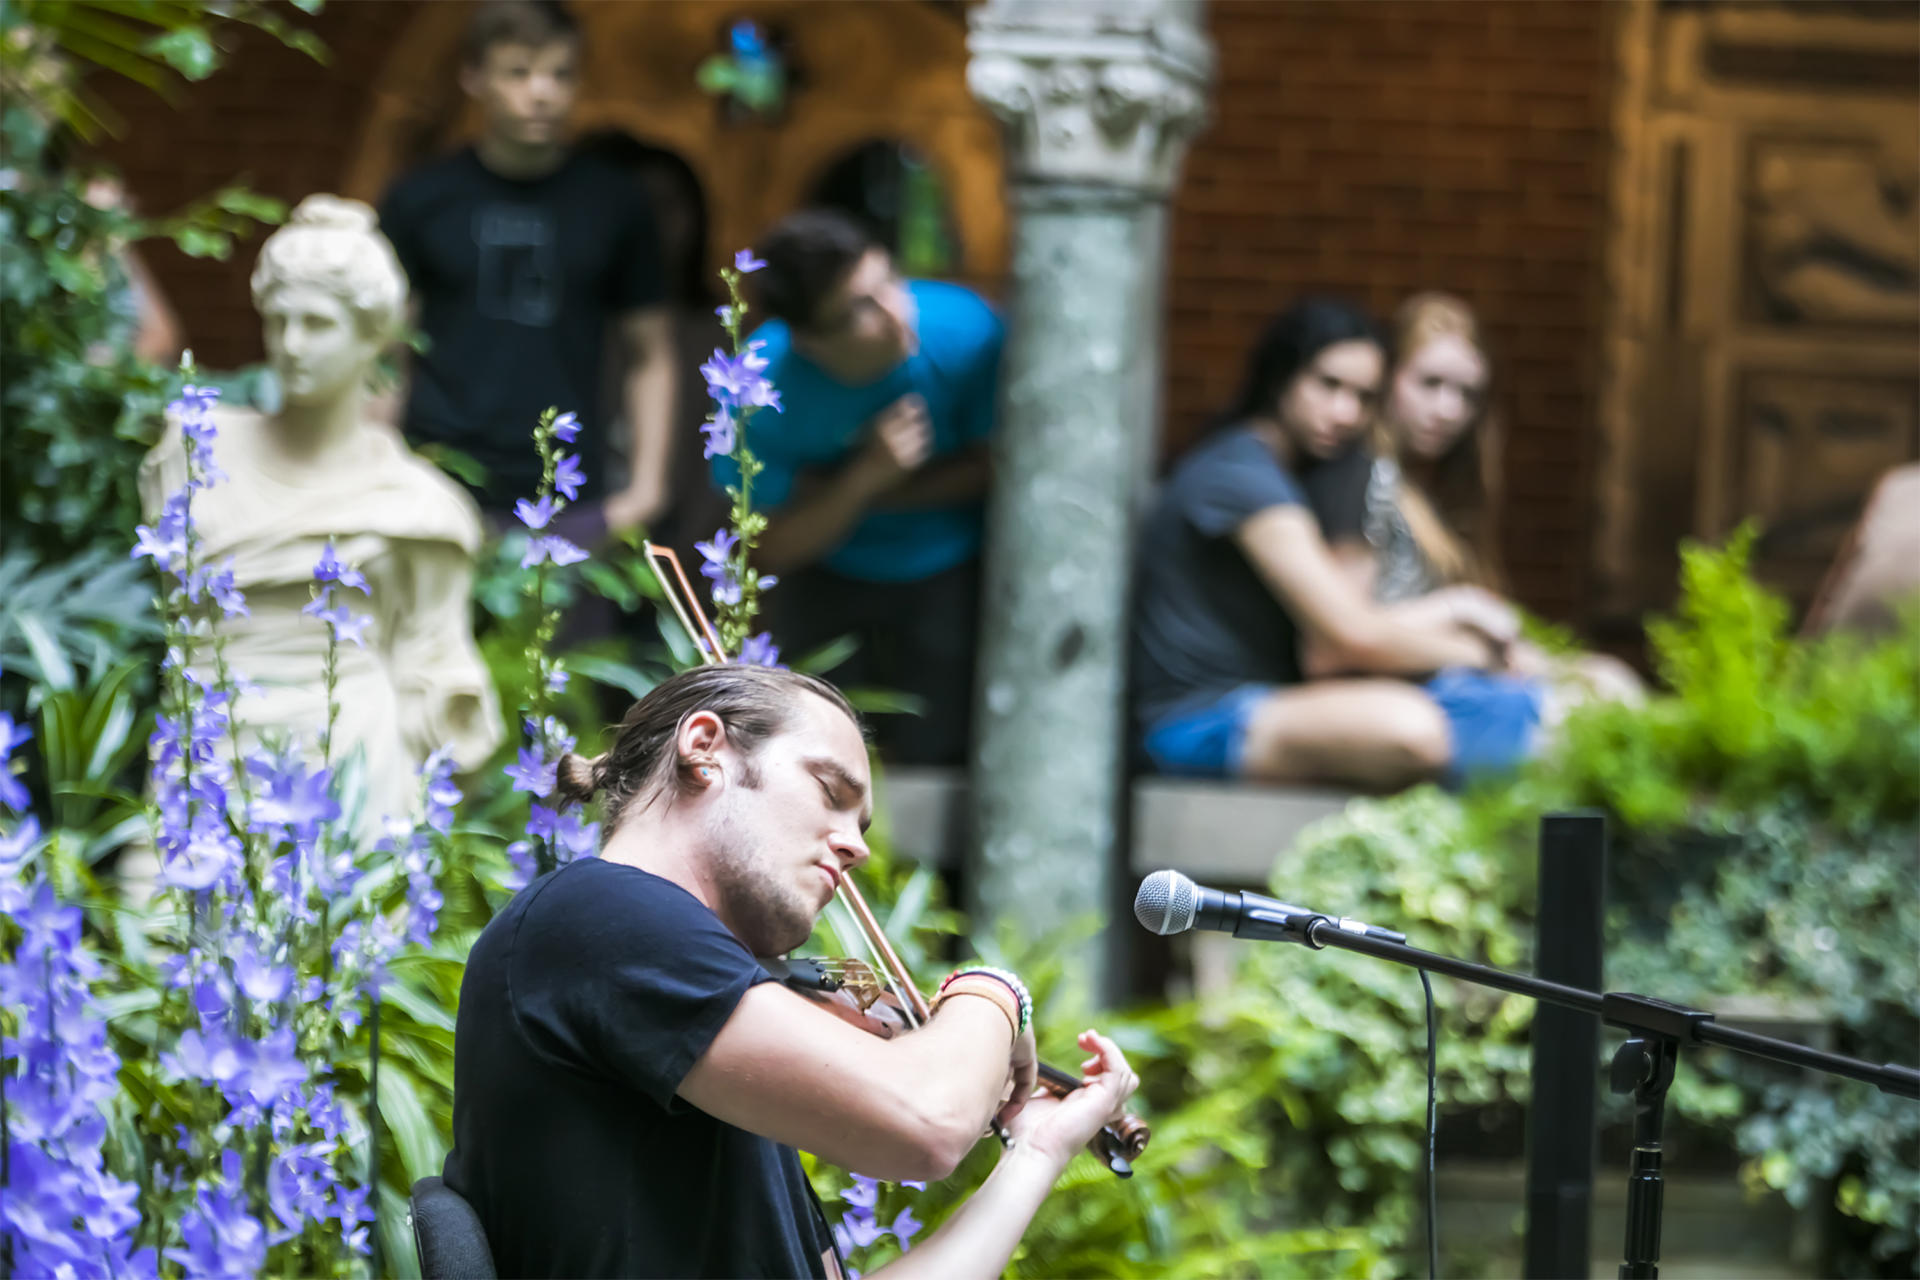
[768, 912]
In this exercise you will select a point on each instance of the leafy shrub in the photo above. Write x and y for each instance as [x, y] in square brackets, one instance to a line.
[1765, 817]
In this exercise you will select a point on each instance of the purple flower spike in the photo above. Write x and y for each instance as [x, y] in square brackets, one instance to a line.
[725, 314]
[740, 380]
[760, 651]
[567, 476]
[719, 433]
[350, 626]
[554, 548]
[534, 515]
[719, 550]
[15, 845]
[533, 773]
[332, 569]
[566, 427]
[745, 263]
[13, 795]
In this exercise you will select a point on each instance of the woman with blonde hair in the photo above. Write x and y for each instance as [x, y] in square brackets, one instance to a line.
[1434, 494]
[1433, 500]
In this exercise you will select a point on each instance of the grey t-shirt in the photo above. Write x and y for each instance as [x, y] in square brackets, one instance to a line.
[1204, 622]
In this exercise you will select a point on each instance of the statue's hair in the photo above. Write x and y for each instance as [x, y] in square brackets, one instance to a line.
[335, 243]
[754, 703]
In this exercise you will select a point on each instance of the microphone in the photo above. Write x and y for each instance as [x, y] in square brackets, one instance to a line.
[1169, 902]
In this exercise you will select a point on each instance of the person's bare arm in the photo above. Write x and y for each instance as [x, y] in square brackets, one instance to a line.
[819, 516]
[946, 482]
[1344, 629]
[649, 393]
[157, 338]
[978, 1240]
[906, 1108]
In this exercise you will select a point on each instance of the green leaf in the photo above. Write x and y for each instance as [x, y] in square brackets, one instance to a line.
[885, 701]
[408, 1126]
[250, 204]
[828, 656]
[54, 670]
[188, 50]
[630, 680]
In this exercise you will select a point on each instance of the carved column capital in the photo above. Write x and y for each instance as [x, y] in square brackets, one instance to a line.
[1094, 91]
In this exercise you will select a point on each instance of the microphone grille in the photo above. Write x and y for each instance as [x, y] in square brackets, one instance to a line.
[1165, 903]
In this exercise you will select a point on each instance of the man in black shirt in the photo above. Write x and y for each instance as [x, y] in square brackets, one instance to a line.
[521, 254]
[630, 1084]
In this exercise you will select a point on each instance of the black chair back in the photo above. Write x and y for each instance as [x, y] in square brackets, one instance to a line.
[447, 1235]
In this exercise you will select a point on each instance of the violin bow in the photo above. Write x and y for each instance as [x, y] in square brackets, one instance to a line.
[1118, 1144]
[687, 610]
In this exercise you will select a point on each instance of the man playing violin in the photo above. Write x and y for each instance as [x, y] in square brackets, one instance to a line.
[630, 1084]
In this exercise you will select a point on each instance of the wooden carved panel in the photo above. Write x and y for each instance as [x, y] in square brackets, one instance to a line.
[1811, 444]
[1763, 337]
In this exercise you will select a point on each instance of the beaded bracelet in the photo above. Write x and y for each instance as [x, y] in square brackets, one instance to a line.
[1013, 984]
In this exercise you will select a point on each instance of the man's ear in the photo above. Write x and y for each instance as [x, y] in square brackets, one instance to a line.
[471, 77]
[701, 734]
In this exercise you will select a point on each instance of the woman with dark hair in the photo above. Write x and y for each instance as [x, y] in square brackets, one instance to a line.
[1241, 602]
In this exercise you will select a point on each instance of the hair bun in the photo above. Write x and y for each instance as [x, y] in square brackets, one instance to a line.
[577, 779]
[334, 212]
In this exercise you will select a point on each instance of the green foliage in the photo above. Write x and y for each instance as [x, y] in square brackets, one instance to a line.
[1756, 717]
[155, 43]
[78, 408]
[1765, 817]
[80, 616]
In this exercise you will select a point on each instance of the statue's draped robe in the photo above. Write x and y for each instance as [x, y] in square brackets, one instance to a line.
[418, 683]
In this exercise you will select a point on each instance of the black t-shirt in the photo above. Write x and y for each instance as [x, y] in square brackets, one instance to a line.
[1204, 622]
[584, 1005]
[517, 281]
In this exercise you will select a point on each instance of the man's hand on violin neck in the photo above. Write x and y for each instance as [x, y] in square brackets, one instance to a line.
[1060, 1127]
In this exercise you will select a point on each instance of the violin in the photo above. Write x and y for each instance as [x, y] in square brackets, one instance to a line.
[879, 997]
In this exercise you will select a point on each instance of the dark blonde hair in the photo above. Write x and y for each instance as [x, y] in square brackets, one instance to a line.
[754, 703]
[1454, 521]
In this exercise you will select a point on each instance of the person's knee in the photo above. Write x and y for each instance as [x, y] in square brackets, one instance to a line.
[1417, 737]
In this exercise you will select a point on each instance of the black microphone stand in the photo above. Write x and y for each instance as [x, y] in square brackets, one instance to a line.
[1642, 1066]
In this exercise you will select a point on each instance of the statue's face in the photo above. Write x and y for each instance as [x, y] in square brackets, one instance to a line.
[313, 343]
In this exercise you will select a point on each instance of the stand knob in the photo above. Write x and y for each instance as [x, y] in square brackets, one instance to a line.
[1632, 1066]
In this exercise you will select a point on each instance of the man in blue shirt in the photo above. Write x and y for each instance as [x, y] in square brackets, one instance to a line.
[876, 471]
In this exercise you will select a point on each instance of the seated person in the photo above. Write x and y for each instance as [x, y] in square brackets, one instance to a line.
[1431, 500]
[1877, 572]
[876, 471]
[1240, 600]
[630, 1083]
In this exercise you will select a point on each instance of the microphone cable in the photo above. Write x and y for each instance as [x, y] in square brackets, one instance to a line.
[1433, 1200]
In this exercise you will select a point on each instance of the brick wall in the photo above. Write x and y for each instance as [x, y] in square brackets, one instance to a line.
[273, 118]
[1374, 149]
[1370, 147]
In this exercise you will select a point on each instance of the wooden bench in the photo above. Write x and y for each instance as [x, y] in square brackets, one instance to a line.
[1219, 833]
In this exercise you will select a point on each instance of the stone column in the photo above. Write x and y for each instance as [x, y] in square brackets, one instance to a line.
[1098, 97]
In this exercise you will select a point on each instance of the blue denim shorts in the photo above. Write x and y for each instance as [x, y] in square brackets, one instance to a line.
[1208, 741]
[1491, 718]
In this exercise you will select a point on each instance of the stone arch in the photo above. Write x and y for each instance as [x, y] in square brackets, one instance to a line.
[861, 70]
